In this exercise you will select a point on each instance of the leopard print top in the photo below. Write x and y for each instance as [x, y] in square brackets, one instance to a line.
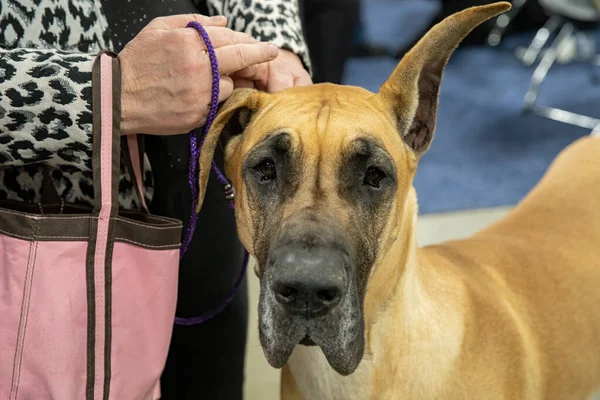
[47, 49]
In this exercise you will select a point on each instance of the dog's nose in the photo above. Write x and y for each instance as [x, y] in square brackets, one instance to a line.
[309, 282]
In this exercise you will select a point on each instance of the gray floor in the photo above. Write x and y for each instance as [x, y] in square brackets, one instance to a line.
[262, 381]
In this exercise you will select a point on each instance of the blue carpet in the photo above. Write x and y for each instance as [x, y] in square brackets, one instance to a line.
[395, 23]
[486, 152]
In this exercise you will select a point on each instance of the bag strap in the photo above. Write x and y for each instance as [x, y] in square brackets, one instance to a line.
[133, 145]
[106, 143]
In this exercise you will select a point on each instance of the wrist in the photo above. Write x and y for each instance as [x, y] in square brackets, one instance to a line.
[129, 124]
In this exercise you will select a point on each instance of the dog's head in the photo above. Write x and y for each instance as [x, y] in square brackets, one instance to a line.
[321, 175]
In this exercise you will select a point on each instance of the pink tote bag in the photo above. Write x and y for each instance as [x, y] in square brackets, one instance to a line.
[87, 297]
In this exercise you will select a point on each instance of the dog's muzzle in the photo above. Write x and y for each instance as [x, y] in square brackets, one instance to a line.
[308, 283]
[309, 296]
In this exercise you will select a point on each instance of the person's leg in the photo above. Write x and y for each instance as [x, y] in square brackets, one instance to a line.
[205, 361]
[329, 28]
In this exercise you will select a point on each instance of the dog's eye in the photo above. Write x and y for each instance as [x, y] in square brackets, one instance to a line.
[373, 176]
[267, 170]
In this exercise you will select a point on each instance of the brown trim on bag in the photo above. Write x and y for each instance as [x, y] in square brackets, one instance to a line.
[133, 227]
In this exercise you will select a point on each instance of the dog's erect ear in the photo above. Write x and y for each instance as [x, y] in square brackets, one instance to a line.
[234, 116]
[412, 90]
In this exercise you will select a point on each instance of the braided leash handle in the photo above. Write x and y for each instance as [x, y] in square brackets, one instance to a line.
[195, 147]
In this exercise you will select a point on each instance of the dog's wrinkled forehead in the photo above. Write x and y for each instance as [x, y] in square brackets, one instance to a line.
[326, 121]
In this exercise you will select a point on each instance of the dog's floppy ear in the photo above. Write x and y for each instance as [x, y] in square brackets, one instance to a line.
[232, 119]
[412, 90]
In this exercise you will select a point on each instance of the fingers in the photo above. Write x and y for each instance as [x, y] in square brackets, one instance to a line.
[258, 72]
[239, 83]
[216, 20]
[239, 56]
[226, 88]
[181, 21]
[221, 36]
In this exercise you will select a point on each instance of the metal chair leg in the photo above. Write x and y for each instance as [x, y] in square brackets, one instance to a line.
[541, 71]
[539, 76]
[568, 117]
[530, 55]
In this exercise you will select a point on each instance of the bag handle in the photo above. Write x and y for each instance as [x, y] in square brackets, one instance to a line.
[106, 169]
[106, 143]
[134, 157]
[107, 131]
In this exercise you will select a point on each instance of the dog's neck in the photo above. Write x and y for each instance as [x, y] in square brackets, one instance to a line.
[399, 264]
[415, 304]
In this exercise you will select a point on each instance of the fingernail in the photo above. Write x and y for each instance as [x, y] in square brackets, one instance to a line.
[273, 50]
[218, 18]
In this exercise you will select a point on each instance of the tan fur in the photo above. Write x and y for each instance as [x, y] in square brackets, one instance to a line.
[511, 313]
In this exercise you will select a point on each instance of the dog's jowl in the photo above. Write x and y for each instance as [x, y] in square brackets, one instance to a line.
[350, 306]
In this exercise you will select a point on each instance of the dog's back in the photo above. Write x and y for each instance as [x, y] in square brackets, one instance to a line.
[539, 271]
[566, 202]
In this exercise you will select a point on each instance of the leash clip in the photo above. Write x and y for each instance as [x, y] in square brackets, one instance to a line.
[229, 192]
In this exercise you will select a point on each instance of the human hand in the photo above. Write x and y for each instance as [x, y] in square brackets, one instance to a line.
[283, 72]
[166, 73]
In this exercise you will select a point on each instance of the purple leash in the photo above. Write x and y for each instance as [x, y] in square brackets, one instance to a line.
[195, 148]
